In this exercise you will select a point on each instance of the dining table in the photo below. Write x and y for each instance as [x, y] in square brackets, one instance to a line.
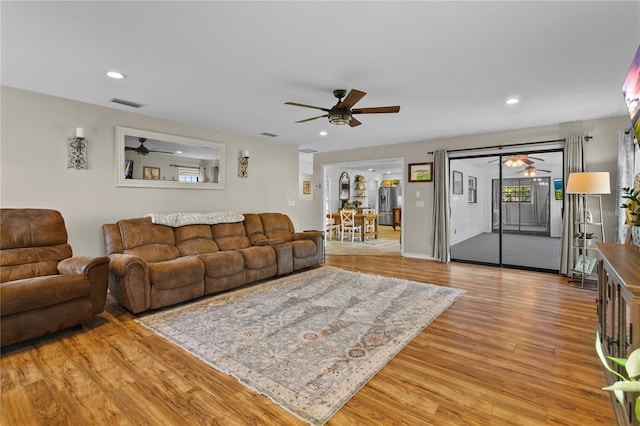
[359, 219]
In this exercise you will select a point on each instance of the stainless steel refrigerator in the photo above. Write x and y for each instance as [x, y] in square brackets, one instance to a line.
[387, 200]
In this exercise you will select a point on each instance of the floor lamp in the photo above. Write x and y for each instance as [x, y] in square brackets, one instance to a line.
[585, 184]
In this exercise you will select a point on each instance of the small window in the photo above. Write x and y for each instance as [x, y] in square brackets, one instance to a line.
[188, 174]
[473, 189]
[516, 194]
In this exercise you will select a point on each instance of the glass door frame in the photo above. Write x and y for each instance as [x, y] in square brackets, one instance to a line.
[501, 155]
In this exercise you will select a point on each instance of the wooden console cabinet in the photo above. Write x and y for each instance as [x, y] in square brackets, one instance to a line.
[618, 307]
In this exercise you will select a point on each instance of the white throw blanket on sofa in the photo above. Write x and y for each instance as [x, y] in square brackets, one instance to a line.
[181, 219]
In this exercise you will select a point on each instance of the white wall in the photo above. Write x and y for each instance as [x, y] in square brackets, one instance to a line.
[600, 155]
[33, 160]
[471, 219]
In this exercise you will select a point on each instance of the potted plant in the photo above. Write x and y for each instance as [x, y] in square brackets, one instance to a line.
[584, 239]
[630, 366]
[632, 212]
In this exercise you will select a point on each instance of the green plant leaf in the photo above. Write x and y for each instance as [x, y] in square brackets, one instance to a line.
[633, 363]
[624, 386]
[600, 353]
[619, 361]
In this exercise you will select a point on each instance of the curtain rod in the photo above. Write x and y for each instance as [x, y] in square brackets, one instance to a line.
[587, 138]
[189, 167]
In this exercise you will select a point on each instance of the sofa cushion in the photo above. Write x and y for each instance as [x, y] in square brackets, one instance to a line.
[32, 242]
[277, 226]
[230, 236]
[195, 239]
[20, 263]
[153, 243]
[223, 263]
[35, 293]
[258, 257]
[176, 273]
[31, 228]
[253, 227]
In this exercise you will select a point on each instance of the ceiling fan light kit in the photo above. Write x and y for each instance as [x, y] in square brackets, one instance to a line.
[340, 118]
[341, 113]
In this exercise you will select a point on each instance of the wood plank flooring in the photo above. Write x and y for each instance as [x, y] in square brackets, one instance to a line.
[516, 349]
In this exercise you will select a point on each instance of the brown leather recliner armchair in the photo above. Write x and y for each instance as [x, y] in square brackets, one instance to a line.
[43, 289]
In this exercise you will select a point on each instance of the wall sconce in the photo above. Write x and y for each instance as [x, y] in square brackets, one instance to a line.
[77, 151]
[243, 164]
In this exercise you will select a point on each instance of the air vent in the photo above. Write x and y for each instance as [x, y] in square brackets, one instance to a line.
[308, 150]
[127, 103]
[271, 135]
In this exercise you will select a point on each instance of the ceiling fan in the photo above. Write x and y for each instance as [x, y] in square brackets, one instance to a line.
[343, 112]
[518, 160]
[531, 171]
[143, 150]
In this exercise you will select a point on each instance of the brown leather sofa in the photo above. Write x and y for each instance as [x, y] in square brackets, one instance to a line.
[154, 265]
[43, 288]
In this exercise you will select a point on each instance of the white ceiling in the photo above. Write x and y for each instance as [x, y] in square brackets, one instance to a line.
[232, 65]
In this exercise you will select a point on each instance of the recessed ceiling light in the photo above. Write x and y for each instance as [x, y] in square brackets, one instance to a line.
[178, 152]
[323, 133]
[512, 101]
[115, 74]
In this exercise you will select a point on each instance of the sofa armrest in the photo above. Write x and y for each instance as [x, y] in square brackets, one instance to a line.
[96, 271]
[315, 236]
[308, 235]
[129, 282]
[269, 242]
[80, 264]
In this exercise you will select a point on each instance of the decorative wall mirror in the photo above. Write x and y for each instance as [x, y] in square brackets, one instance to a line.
[345, 184]
[156, 160]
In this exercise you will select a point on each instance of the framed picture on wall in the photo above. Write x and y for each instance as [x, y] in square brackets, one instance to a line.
[421, 172]
[457, 182]
[557, 188]
[306, 187]
[151, 173]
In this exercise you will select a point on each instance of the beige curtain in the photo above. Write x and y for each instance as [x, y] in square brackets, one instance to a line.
[627, 152]
[441, 241]
[573, 162]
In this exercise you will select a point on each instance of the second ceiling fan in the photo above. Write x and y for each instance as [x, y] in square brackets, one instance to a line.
[342, 112]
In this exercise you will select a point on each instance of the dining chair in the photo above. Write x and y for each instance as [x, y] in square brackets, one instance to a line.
[331, 227]
[348, 225]
[369, 223]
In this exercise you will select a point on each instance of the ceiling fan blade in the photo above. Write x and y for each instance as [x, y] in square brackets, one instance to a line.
[526, 160]
[128, 148]
[161, 152]
[376, 110]
[352, 98]
[536, 158]
[306, 106]
[312, 118]
[354, 122]
[543, 170]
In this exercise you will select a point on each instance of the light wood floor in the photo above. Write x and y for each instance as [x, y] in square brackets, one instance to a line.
[516, 349]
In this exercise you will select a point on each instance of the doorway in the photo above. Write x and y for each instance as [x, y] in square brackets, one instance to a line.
[375, 188]
[505, 209]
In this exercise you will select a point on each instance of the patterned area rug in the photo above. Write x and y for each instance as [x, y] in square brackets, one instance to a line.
[308, 341]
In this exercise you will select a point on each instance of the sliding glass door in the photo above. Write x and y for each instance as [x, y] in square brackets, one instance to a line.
[505, 209]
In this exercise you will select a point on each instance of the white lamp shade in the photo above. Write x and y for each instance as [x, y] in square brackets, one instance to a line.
[589, 183]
